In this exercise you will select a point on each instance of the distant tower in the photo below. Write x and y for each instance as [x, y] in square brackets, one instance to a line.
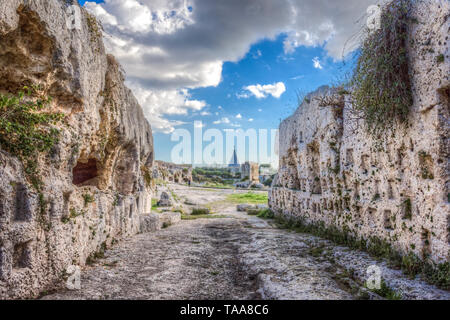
[234, 163]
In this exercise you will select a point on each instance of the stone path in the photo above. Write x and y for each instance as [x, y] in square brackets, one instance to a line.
[240, 257]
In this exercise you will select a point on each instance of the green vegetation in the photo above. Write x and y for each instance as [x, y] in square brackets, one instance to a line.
[382, 90]
[387, 292]
[410, 264]
[212, 172]
[440, 58]
[100, 254]
[266, 214]
[215, 177]
[204, 216]
[147, 176]
[25, 128]
[87, 199]
[249, 197]
[165, 225]
[174, 195]
[200, 211]
[268, 182]
[425, 161]
[407, 209]
[95, 28]
[154, 204]
[218, 185]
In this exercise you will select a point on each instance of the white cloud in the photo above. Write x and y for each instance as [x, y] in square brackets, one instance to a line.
[301, 76]
[262, 91]
[205, 113]
[238, 116]
[224, 120]
[250, 120]
[242, 95]
[316, 63]
[259, 110]
[160, 103]
[170, 45]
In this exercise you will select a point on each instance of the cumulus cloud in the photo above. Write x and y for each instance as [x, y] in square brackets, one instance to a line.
[238, 116]
[169, 45]
[159, 103]
[262, 91]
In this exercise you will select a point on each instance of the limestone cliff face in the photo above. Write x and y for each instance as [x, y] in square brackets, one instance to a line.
[331, 171]
[171, 172]
[94, 191]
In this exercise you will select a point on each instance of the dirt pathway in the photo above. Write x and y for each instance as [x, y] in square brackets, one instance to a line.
[239, 257]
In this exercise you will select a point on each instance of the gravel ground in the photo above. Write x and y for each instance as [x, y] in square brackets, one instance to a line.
[239, 257]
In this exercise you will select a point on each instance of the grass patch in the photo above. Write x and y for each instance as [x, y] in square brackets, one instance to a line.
[266, 214]
[200, 211]
[387, 292]
[410, 264]
[205, 216]
[249, 197]
[154, 204]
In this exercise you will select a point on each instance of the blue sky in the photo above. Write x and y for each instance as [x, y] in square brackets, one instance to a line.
[193, 60]
[265, 63]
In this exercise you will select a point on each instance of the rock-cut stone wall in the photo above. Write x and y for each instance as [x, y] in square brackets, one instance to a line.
[331, 171]
[94, 190]
[171, 172]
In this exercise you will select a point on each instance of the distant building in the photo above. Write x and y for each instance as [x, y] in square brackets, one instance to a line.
[250, 170]
[234, 165]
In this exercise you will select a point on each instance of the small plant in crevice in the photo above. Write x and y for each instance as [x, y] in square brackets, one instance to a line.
[426, 164]
[88, 199]
[99, 254]
[407, 209]
[382, 93]
[146, 174]
[387, 292]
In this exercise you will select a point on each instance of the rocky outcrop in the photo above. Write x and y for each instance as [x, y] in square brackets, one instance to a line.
[93, 180]
[164, 200]
[170, 172]
[332, 172]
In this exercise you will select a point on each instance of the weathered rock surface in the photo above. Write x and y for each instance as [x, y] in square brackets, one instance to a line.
[240, 257]
[164, 200]
[156, 221]
[105, 147]
[171, 172]
[331, 171]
